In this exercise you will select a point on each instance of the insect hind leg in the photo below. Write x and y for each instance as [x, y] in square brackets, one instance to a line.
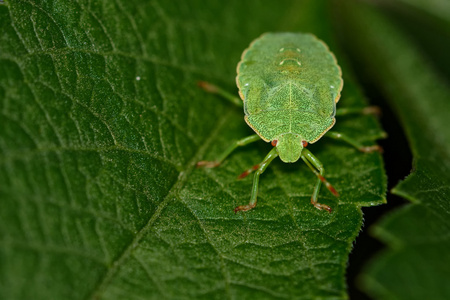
[340, 136]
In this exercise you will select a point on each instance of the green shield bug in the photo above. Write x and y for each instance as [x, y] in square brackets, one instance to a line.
[289, 84]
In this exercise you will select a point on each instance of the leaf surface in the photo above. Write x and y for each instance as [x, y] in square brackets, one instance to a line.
[101, 127]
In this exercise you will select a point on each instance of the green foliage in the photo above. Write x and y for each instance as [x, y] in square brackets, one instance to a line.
[416, 265]
[101, 126]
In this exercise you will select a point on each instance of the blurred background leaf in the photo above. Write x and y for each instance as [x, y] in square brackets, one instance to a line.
[415, 266]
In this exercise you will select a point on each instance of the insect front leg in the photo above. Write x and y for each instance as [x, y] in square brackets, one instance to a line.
[231, 148]
[354, 143]
[211, 88]
[261, 168]
[316, 166]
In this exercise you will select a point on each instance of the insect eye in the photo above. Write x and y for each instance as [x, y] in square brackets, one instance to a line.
[274, 142]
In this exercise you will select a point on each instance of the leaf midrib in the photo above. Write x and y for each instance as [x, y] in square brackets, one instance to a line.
[171, 196]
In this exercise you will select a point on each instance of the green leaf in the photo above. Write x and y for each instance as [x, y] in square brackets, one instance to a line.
[416, 264]
[101, 127]
[436, 8]
[427, 23]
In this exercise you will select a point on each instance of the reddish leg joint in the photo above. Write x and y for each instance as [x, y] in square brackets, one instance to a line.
[328, 185]
[207, 86]
[320, 206]
[371, 149]
[244, 207]
[372, 110]
[246, 172]
[207, 164]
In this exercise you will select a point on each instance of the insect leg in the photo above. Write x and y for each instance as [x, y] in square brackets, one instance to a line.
[316, 166]
[368, 110]
[262, 167]
[211, 88]
[354, 143]
[231, 148]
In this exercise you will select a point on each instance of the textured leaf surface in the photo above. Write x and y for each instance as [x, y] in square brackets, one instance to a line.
[416, 265]
[101, 126]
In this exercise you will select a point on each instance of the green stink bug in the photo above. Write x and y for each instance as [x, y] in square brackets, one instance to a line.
[289, 84]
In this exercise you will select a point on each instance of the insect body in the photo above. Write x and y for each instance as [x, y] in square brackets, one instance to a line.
[290, 84]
